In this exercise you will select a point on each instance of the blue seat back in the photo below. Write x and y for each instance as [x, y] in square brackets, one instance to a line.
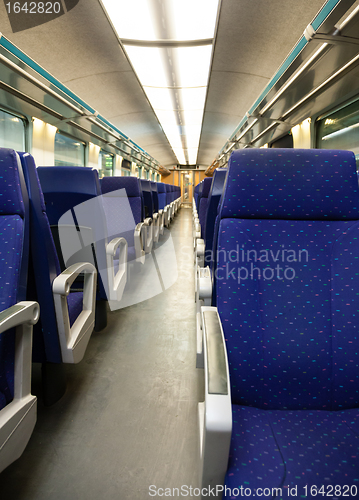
[287, 278]
[202, 210]
[161, 187]
[154, 196]
[199, 194]
[14, 242]
[168, 194]
[75, 191]
[116, 191]
[147, 197]
[214, 196]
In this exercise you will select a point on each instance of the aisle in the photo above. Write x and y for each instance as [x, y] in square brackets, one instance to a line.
[129, 417]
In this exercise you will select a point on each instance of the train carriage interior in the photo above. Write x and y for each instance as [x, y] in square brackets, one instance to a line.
[179, 208]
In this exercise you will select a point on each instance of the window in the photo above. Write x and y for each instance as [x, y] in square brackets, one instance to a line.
[68, 151]
[12, 131]
[340, 130]
[106, 164]
[126, 168]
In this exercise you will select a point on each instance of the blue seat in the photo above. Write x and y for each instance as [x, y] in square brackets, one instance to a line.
[67, 319]
[169, 212]
[158, 216]
[162, 204]
[204, 256]
[203, 202]
[75, 210]
[117, 193]
[214, 196]
[283, 381]
[150, 212]
[17, 405]
[199, 194]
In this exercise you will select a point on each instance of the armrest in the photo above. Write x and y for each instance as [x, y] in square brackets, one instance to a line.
[199, 253]
[161, 216]
[74, 340]
[148, 233]
[215, 413]
[203, 289]
[17, 419]
[139, 238]
[116, 281]
[156, 226]
[204, 285]
[147, 221]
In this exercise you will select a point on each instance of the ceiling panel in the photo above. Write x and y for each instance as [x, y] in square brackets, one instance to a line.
[81, 50]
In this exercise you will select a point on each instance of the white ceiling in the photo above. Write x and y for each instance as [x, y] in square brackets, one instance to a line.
[81, 50]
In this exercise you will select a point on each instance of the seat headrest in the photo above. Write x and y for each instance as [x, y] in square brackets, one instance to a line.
[130, 184]
[11, 196]
[145, 185]
[81, 180]
[207, 182]
[302, 184]
[154, 186]
[30, 172]
[161, 188]
[219, 178]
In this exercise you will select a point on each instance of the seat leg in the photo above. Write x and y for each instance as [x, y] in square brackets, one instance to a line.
[100, 315]
[53, 382]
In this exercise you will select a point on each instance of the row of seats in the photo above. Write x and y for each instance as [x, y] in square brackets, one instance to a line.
[280, 331]
[66, 246]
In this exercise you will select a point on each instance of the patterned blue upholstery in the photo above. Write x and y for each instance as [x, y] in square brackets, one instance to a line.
[66, 189]
[154, 196]
[161, 187]
[287, 286]
[203, 203]
[147, 197]
[199, 188]
[44, 268]
[14, 241]
[119, 221]
[214, 196]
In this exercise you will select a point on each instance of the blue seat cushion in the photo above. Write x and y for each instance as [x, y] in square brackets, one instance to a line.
[11, 236]
[288, 301]
[74, 302]
[281, 449]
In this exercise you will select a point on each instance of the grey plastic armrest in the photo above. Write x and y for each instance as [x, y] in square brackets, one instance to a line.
[161, 220]
[148, 232]
[215, 413]
[18, 418]
[204, 285]
[156, 226]
[116, 281]
[200, 249]
[74, 340]
[139, 238]
[203, 298]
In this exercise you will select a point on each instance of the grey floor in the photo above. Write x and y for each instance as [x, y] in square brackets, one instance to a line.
[129, 417]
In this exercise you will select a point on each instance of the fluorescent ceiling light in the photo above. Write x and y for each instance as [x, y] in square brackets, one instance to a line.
[149, 64]
[174, 74]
